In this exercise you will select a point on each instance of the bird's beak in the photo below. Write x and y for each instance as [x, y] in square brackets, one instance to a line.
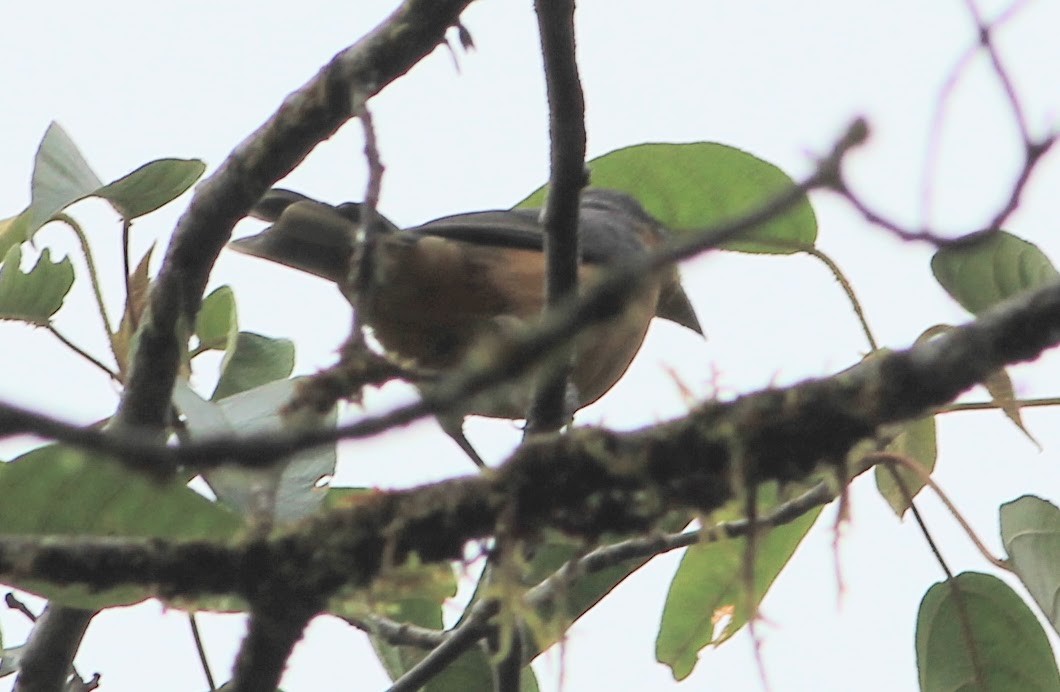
[306, 235]
[675, 306]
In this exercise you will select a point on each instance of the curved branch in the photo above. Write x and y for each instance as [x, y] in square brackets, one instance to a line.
[306, 118]
[599, 480]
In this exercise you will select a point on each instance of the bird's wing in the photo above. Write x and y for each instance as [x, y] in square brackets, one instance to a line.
[602, 238]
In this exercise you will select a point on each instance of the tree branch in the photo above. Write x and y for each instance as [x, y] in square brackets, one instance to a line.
[306, 118]
[599, 480]
[475, 626]
[566, 107]
[272, 632]
[50, 651]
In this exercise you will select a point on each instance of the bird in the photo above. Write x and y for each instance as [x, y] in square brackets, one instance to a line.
[430, 295]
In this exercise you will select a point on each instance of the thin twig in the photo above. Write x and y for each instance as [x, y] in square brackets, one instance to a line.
[458, 640]
[934, 140]
[474, 626]
[81, 352]
[1033, 150]
[197, 636]
[398, 633]
[991, 406]
[127, 267]
[986, 40]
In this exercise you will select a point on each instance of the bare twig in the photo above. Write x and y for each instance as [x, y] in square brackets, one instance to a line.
[986, 40]
[939, 116]
[398, 633]
[201, 650]
[82, 352]
[992, 405]
[1033, 149]
[457, 641]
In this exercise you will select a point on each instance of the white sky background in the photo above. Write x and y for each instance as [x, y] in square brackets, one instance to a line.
[136, 81]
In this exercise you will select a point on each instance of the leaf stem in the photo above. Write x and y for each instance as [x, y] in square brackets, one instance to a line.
[93, 275]
[892, 459]
[81, 352]
[837, 273]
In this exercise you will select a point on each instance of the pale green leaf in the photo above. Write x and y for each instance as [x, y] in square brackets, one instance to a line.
[975, 633]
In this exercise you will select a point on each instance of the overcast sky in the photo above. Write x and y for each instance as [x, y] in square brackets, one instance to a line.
[135, 81]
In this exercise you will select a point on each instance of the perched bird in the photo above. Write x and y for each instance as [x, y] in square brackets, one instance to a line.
[433, 293]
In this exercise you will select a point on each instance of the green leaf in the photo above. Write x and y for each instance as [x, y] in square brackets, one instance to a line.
[917, 441]
[13, 231]
[1030, 530]
[709, 587]
[63, 491]
[703, 184]
[254, 361]
[999, 386]
[281, 493]
[217, 326]
[38, 294]
[151, 186]
[975, 633]
[61, 176]
[985, 271]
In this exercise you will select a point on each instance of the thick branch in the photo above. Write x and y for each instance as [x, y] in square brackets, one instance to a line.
[597, 480]
[45, 663]
[272, 632]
